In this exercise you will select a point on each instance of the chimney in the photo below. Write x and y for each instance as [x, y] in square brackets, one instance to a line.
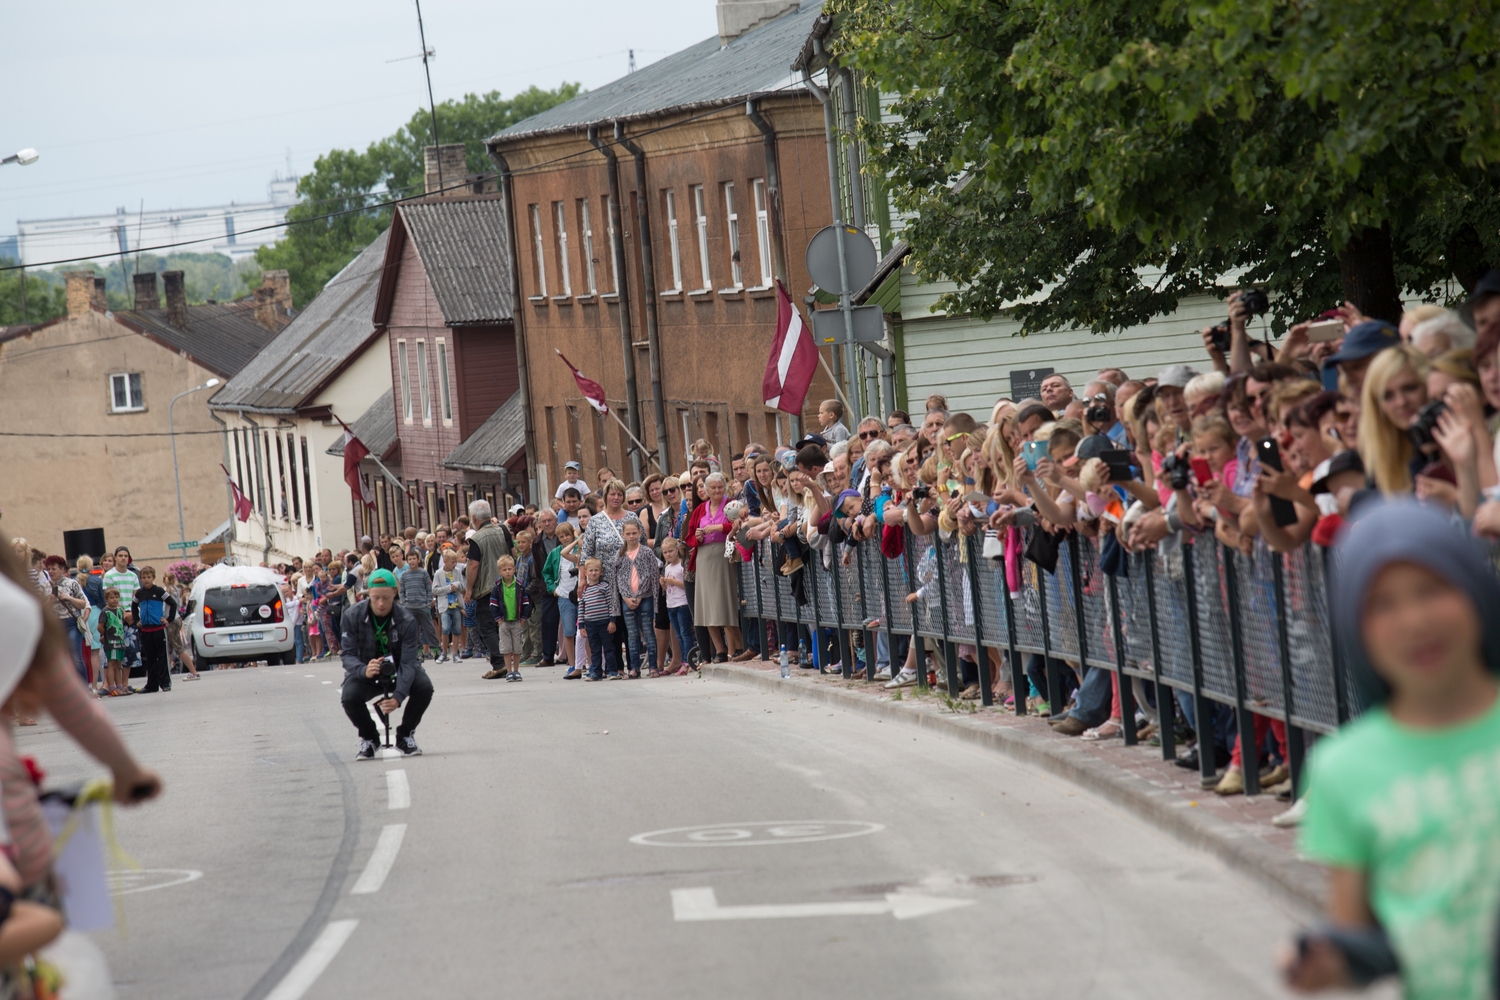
[451, 156]
[145, 291]
[177, 313]
[99, 300]
[281, 283]
[739, 16]
[80, 292]
[266, 312]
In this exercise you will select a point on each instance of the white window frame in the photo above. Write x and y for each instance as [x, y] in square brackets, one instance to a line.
[560, 219]
[672, 239]
[538, 250]
[586, 227]
[732, 218]
[404, 374]
[424, 387]
[444, 393]
[133, 385]
[700, 212]
[614, 256]
[763, 231]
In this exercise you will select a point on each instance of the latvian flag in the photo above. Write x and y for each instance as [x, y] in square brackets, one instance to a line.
[794, 358]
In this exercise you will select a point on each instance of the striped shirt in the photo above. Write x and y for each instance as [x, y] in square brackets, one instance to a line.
[125, 582]
[595, 604]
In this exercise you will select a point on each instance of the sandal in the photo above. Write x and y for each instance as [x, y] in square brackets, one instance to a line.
[1111, 730]
[970, 693]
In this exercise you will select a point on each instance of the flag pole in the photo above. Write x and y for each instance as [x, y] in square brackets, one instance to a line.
[644, 451]
[847, 408]
[580, 378]
[378, 463]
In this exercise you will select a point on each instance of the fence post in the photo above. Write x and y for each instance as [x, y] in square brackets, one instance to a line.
[1202, 710]
[1055, 697]
[1244, 718]
[841, 638]
[918, 648]
[864, 607]
[761, 549]
[1127, 696]
[1166, 697]
[1020, 684]
[950, 650]
[776, 598]
[1294, 745]
[981, 654]
[1340, 688]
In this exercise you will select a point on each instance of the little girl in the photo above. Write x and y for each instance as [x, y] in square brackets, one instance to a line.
[678, 611]
[597, 608]
[636, 575]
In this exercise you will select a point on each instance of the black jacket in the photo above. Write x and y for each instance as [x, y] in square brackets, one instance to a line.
[403, 635]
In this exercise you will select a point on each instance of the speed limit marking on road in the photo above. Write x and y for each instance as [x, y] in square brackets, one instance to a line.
[756, 834]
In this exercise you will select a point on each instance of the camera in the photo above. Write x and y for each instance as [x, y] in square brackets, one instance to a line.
[1255, 301]
[921, 491]
[1099, 411]
[1420, 431]
[1178, 471]
[1218, 338]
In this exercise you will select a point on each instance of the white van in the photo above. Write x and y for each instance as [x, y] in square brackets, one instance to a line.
[238, 617]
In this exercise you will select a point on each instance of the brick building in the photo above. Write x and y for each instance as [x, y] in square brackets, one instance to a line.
[732, 156]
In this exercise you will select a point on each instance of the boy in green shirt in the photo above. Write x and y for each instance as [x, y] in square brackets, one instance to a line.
[1404, 802]
[112, 641]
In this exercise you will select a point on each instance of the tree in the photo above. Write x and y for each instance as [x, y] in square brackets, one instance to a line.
[43, 300]
[1100, 161]
[350, 186]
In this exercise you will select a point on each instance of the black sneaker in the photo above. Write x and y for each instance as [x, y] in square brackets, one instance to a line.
[366, 750]
[515, 675]
[408, 746]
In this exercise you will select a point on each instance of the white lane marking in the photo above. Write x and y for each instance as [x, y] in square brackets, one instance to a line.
[328, 682]
[122, 883]
[390, 753]
[381, 860]
[702, 904]
[312, 963]
[309, 675]
[397, 791]
[756, 833]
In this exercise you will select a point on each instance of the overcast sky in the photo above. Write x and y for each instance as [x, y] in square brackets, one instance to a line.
[185, 104]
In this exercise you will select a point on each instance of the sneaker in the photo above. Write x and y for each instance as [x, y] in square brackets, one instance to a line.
[441, 658]
[531, 663]
[594, 677]
[490, 675]
[408, 746]
[514, 675]
[1292, 816]
[883, 674]
[366, 750]
[573, 675]
[906, 678]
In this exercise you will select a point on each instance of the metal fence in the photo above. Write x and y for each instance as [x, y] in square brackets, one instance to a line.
[1250, 632]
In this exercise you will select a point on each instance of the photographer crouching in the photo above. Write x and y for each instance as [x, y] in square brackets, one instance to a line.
[383, 656]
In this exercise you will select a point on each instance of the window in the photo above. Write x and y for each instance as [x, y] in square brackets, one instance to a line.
[537, 254]
[700, 213]
[741, 432]
[432, 500]
[614, 257]
[239, 466]
[687, 436]
[422, 385]
[281, 476]
[737, 278]
[270, 484]
[773, 429]
[601, 446]
[291, 459]
[551, 444]
[586, 227]
[561, 219]
[575, 439]
[763, 232]
[673, 241]
[125, 393]
[307, 482]
[405, 377]
[443, 391]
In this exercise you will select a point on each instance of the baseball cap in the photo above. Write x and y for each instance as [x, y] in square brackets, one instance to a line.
[1483, 289]
[381, 578]
[1094, 445]
[1344, 461]
[572, 465]
[813, 438]
[1364, 339]
[517, 509]
[1176, 376]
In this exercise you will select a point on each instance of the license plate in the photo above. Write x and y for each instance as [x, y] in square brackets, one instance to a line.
[245, 636]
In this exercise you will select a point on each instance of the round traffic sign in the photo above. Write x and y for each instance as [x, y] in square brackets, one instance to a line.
[823, 258]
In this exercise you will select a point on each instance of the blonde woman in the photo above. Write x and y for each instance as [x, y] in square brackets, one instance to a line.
[1395, 391]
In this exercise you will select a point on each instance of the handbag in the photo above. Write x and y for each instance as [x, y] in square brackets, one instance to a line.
[1043, 549]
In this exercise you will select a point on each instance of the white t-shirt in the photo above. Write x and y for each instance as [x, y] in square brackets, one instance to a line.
[676, 596]
[581, 486]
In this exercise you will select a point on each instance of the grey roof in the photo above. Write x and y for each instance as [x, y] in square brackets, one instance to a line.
[495, 443]
[222, 337]
[375, 428]
[701, 75]
[333, 326]
[465, 250]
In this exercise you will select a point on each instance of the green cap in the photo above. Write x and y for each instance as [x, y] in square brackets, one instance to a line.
[381, 578]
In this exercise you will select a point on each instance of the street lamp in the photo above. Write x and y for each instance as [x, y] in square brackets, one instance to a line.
[172, 433]
[24, 157]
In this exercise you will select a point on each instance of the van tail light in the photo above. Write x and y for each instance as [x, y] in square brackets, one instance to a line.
[276, 612]
[208, 617]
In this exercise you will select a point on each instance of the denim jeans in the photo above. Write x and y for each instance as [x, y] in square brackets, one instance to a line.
[682, 624]
[568, 611]
[1094, 697]
[601, 648]
[75, 646]
[299, 636]
[640, 623]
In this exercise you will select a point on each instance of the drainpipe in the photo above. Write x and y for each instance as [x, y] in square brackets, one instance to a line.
[622, 288]
[523, 371]
[228, 493]
[648, 279]
[773, 186]
[262, 494]
[830, 130]
[857, 206]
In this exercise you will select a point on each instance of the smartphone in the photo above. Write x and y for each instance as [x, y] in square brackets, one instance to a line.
[1283, 512]
[1325, 330]
[1121, 464]
[1202, 472]
[1034, 452]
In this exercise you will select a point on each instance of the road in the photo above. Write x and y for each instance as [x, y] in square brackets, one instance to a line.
[515, 873]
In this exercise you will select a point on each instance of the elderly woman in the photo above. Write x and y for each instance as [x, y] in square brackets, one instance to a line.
[716, 599]
[602, 540]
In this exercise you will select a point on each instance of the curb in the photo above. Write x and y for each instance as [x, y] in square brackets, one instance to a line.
[1301, 883]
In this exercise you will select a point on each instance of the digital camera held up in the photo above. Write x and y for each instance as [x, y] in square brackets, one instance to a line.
[1099, 411]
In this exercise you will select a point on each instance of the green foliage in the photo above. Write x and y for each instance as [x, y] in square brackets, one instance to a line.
[44, 299]
[351, 182]
[205, 276]
[1097, 162]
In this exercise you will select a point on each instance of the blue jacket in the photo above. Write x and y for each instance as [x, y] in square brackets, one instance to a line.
[497, 602]
[153, 607]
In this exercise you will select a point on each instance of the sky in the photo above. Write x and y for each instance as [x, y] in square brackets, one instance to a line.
[184, 104]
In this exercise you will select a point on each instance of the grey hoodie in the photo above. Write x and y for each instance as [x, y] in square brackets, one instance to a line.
[1406, 531]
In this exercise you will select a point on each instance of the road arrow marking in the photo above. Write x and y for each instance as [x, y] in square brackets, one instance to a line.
[702, 904]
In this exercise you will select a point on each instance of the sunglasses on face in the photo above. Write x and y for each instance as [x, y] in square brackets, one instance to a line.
[669, 493]
[868, 435]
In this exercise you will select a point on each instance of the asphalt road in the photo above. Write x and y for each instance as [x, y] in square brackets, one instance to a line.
[514, 872]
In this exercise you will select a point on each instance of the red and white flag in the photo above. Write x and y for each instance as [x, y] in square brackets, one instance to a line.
[592, 391]
[794, 358]
[354, 451]
[242, 504]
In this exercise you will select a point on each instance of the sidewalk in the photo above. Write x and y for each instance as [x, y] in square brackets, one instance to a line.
[1236, 829]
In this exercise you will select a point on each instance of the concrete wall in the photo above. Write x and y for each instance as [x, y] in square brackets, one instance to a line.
[57, 383]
